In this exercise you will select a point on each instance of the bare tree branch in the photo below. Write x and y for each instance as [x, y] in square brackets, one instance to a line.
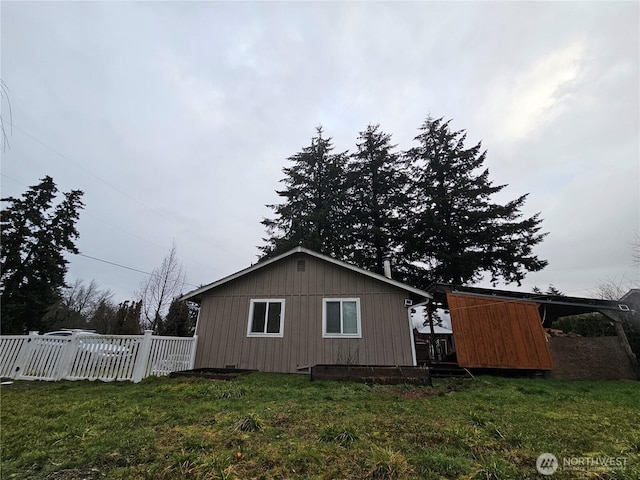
[158, 291]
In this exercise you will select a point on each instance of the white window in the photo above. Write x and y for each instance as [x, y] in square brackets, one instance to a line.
[341, 317]
[266, 318]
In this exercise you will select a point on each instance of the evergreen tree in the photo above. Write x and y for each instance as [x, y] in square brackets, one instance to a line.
[455, 232]
[313, 212]
[551, 290]
[35, 235]
[179, 322]
[128, 318]
[378, 184]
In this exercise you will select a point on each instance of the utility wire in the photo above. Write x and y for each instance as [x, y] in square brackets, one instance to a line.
[89, 172]
[84, 212]
[128, 268]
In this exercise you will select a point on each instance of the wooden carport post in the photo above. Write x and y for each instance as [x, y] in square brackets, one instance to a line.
[432, 333]
[617, 318]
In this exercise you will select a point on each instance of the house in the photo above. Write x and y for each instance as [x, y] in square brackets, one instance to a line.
[632, 299]
[442, 341]
[301, 309]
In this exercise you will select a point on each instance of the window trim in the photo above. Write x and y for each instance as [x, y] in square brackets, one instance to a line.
[341, 335]
[252, 303]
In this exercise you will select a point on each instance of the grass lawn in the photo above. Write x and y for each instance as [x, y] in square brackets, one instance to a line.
[284, 426]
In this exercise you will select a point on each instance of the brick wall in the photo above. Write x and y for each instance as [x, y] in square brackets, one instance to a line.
[590, 358]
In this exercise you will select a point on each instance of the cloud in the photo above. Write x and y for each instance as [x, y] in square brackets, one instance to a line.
[519, 105]
[202, 100]
[192, 109]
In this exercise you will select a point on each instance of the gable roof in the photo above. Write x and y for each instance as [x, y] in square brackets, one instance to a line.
[196, 295]
[632, 296]
[437, 330]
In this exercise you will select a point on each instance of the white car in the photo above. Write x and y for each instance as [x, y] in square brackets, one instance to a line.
[68, 332]
[98, 347]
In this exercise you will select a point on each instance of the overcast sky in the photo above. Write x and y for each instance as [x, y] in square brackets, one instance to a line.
[176, 119]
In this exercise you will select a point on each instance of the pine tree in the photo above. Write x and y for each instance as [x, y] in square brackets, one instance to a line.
[128, 318]
[313, 212]
[35, 235]
[378, 183]
[455, 232]
[180, 320]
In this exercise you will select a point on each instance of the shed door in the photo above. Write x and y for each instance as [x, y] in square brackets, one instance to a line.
[498, 333]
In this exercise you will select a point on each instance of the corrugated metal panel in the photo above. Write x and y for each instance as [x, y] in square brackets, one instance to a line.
[497, 333]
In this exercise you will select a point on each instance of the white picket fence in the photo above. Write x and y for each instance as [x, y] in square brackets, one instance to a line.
[104, 357]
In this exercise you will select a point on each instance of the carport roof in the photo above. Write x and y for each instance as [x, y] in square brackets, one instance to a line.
[555, 306]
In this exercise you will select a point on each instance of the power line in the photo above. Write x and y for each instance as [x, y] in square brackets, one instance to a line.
[122, 192]
[84, 212]
[128, 268]
[97, 177]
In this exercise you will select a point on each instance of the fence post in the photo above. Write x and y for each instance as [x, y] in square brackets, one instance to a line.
[67, 357]
[143, 357]
[192, 357]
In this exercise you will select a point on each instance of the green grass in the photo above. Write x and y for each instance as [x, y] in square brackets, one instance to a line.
[267, 426]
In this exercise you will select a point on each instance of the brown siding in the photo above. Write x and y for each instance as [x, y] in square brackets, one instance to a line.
[222, 327]
[496, 333]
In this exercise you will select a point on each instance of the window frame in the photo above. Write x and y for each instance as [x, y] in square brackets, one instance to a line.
[325, 334]
[252, 303]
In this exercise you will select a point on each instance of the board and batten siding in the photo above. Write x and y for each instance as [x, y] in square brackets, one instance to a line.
[224, 316]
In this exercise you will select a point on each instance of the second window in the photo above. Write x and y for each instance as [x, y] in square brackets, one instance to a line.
[341, 317]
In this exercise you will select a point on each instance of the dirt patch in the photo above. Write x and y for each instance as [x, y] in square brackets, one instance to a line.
[75, 474]
[212, 373]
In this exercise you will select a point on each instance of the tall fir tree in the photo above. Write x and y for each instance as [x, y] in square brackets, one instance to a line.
[35, 235]
[455, 232]
[127, 320]
[378, 184]
[180, 320]
[313, 213]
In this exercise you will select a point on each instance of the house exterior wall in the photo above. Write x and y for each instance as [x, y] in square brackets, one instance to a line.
[224, 315]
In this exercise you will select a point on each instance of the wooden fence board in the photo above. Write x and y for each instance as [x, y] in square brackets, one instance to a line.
[497, 333]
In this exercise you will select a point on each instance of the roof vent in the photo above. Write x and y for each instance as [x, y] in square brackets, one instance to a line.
[301, 266]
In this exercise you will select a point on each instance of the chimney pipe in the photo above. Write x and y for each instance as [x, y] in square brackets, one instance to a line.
[386, 266]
